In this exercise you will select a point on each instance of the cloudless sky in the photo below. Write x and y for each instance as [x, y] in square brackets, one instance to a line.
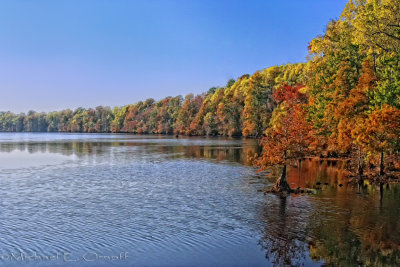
[65, 54]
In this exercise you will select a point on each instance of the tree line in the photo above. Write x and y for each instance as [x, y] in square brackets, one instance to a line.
[242, 107]
[345, 99]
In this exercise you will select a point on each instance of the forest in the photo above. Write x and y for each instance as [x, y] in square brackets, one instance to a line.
[343, 101]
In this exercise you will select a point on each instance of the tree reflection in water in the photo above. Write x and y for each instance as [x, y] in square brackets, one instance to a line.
[236, 150]
[342, 225]
[366, 230]
[284, 238]
[339, 226]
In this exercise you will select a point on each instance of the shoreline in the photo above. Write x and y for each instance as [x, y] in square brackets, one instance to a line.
[391, 176]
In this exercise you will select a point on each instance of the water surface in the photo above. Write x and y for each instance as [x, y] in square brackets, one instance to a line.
[92, 199]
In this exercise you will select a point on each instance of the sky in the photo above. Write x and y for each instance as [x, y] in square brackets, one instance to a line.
[84, 53]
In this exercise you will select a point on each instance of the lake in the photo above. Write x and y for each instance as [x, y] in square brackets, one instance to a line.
[132, 200]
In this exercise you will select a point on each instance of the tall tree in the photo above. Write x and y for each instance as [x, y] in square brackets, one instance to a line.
[290, 136]
[379, 134]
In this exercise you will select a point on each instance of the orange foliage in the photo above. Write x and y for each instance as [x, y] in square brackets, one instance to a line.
[352, 110]
[291, 136]
[380, 132]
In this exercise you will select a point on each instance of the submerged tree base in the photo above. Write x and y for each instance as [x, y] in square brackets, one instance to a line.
[283, 193]
[281, 186]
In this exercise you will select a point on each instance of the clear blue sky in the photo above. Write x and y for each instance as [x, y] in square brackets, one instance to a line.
[66, 54]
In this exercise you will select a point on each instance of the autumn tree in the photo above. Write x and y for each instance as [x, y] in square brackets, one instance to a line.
[379, 133]
[258, 104]
[187, 114]
[353, 110]
[35, 122]
[119, 114]
[206, 121]
[290, 135]
[377, 24]
[230, 109]
[164, 114]
[333, 69]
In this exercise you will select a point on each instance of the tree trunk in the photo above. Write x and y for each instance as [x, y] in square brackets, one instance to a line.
[282, 185]
[360, 169]
[382, 166]
[299, 171]
[283, 176]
